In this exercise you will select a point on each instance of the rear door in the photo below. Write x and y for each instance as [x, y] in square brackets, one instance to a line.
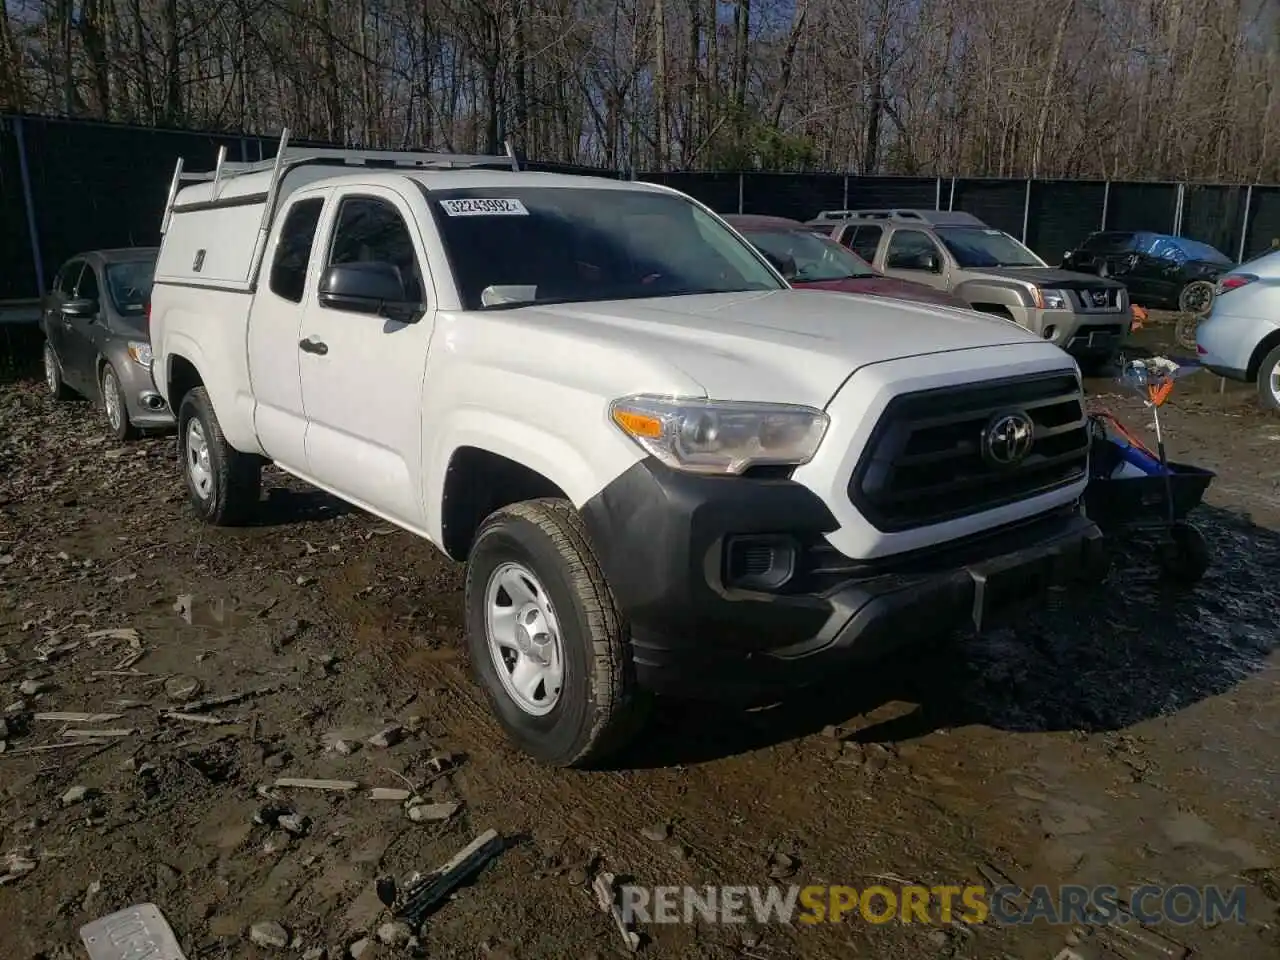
[274, 324]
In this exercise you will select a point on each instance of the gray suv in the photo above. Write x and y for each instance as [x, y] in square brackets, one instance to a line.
[1087, 316]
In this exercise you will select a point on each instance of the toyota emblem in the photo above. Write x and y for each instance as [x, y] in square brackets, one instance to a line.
[1007, 438]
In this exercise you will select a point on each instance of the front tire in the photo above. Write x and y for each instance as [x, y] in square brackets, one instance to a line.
[53, 375]
[223, 484]
[546, 640]
[1269, 381]
[115, 407]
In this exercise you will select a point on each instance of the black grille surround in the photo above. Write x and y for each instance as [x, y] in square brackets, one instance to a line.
[923, 463]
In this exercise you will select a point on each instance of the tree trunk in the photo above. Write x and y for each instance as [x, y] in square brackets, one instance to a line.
[1046, 92]
[660, 82]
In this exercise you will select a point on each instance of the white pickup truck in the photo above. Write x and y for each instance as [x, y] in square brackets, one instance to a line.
[665, 470]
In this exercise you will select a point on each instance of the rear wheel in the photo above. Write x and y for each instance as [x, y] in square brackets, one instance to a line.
[223, 484]
[1269, 380]
[113, 404]
[1196, 298]
[547, 643]
[53, 375]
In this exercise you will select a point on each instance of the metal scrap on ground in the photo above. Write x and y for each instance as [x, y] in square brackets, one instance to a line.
[424, 896]
[140, 931]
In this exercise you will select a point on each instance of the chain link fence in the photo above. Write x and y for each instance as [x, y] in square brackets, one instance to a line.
[68, 186]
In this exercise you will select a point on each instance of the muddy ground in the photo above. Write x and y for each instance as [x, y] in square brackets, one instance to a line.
[1128, 736]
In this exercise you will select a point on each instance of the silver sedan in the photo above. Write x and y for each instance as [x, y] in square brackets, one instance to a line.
[1240, 339]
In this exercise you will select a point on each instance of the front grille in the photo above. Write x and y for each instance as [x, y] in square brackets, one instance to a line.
[1096, 299]
[924, 462]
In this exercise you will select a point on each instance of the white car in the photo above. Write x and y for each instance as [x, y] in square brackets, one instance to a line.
[1240, 338]
[665, 470]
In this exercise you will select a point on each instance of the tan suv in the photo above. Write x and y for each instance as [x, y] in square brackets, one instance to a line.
[1087, 316]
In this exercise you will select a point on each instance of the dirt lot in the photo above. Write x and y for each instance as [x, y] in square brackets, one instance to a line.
[1127, 736]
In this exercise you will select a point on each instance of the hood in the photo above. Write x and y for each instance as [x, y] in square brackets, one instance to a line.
[884, 287]
[784, 346]
[1048, 277]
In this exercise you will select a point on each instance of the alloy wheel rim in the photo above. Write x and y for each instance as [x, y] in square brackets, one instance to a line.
[524, 639]
[50, 369]
[199, 470]
[111, 399]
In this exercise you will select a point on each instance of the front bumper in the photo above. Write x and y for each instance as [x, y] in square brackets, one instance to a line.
[147, 408]
[1082, 334]
[672, 548]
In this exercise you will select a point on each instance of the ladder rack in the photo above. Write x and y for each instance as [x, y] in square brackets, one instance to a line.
[288, 157]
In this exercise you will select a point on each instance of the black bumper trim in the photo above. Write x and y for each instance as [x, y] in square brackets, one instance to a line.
[659, 535]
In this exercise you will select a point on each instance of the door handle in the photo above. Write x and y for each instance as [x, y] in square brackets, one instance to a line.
[313, 346]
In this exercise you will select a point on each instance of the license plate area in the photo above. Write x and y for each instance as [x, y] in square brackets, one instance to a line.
[135, 933]
[1000, 589]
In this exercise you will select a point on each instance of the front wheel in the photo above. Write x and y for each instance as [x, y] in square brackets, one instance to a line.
[113, 403]
[223, 484]
[547, 643]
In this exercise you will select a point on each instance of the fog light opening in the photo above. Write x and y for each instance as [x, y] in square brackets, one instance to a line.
[1049, 331]
[760, 562]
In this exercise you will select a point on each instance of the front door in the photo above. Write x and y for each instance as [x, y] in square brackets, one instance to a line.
[274, 325]
[56, 326]
[362, 373]
[912, 255]
[82, 334]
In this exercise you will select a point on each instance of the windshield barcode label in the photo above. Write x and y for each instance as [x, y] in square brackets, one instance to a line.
[484, 208]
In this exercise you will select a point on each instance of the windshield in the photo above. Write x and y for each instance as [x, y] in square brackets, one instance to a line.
[510, 246]
[129, 285]
[816, 258]
[976, 247]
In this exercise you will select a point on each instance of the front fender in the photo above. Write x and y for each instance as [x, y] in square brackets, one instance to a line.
[580, 469]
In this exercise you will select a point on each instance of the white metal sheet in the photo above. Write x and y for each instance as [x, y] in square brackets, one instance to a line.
[135, 933]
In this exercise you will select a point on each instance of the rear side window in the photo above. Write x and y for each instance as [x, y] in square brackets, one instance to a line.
[1110, 242]
[865, 242]
[293, 250]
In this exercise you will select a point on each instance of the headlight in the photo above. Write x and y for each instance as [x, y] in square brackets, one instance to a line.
[1051, 299]
[718, 436]
[140, 352]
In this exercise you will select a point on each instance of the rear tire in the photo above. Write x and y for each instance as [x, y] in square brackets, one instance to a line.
[115, 407]
[223, 484]
[53, 375]
[1196, 298]
[1269, 381]
[592, 707]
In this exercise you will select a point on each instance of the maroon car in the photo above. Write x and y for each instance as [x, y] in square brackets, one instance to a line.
[810, 261]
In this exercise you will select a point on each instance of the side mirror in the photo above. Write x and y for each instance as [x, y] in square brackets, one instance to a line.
[375, 288]
[930, 262]
[80, 307]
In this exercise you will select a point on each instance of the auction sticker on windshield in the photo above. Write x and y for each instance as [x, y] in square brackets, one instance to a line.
[484, 208]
